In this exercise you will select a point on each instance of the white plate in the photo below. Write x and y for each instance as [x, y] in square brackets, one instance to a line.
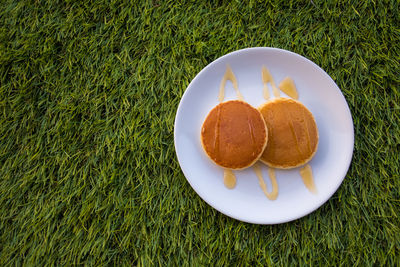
[246, 202]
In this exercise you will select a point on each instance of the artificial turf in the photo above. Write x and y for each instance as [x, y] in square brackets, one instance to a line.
[88, 95]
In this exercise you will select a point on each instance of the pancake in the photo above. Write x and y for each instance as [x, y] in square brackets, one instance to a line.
[292, 133]
[234, 135]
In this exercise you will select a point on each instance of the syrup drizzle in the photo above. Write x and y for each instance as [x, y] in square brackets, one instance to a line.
[265, 92]
[231, 77]
[271, 172]
[251, 132]
[307, 176]
[290, 122]
[288, 87]
[229, 176]
[229, 179]
[216, 133]
[308, 134]
[267, 78]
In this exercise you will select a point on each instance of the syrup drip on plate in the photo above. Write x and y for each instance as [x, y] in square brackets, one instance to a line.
[229, 176]
[271, 172]
[229, 179]
[231, 77]
[288, 87]
[307, 176]
[267, 78]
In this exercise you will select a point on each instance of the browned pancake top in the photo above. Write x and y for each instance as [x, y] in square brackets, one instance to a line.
[292, 133]
[234, 134]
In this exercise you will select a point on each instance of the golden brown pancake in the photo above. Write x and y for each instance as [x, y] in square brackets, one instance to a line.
[292, 133]
[234, 135]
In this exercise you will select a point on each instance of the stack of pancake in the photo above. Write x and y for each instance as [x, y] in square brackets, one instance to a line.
[282, 133]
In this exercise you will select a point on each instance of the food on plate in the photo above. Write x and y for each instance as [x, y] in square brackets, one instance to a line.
[288, 87]
[292, 133]
[234, 135]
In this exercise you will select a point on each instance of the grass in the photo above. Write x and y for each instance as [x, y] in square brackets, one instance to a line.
[88, 95]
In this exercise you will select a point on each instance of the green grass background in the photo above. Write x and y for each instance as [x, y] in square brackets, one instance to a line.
[88, 96]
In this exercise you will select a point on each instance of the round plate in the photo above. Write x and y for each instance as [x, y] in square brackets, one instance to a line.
[246, 202]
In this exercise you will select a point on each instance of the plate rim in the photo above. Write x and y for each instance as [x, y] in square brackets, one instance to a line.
[313, 207]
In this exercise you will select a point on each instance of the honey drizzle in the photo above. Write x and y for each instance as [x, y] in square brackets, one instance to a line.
[293, 133]
[229, 176]
[288, 87]
[231, 77]
[308, 133]
[270, 133]
[271, 172]
[267, 78]
[229, 179]
[307, 176]
[253, 139]
[275, 90]
[265, 91]
[216, 133]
